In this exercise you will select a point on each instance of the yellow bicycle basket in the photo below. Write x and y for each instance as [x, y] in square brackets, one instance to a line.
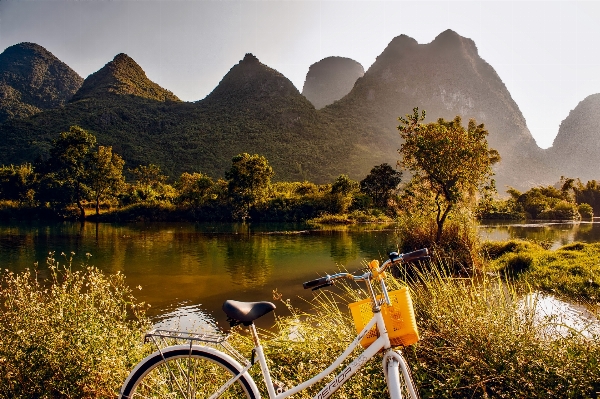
[399, 319]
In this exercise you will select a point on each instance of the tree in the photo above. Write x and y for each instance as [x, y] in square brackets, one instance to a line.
[380, 183]
[248, 181]
[342, 194]
[445, 158]
[105, 174]
[149, 181]
[194, 188]
[66, 169]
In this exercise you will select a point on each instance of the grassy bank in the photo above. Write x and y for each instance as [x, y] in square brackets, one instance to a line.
[71, 335]
[572, 271]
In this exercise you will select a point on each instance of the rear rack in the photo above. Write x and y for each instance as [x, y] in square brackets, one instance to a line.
[164, 338]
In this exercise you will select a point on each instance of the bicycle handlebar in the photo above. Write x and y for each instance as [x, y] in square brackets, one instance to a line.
[394, 257]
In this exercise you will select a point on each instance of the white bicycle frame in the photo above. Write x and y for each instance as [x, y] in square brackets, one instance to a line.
[392, 360]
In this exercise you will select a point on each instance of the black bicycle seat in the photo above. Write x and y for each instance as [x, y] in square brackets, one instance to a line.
[246, 312]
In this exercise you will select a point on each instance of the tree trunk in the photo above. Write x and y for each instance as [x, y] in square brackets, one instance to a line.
[81, 211]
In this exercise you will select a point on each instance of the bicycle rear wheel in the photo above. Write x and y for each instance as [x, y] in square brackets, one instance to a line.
[179, 372]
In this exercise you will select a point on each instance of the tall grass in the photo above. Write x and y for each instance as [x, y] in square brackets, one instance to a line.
[75, 334]
[478, 340]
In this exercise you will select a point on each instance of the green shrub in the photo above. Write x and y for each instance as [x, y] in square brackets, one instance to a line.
[495, 249]
[75, 334]
[562, 210]
[571, 271]
[586, 211]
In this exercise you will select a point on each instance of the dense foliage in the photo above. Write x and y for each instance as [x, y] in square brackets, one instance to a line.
[78, 175]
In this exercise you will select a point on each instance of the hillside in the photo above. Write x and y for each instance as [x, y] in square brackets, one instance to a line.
[446, 78]
[331, 79]
[32, 80]
[576, 148]
[254, 109]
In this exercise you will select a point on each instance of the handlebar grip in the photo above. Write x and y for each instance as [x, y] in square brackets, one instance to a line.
[318, 287]
[316, 283]
[415, 255]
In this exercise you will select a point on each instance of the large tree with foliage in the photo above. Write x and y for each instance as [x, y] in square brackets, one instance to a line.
[65, 172]
[194, 189]
[150, 183]
[380, 183]
[248, 181]
[448, 160]
[105, 174]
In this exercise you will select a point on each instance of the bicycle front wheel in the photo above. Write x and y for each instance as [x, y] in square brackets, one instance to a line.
[399, 378]
[181, 372]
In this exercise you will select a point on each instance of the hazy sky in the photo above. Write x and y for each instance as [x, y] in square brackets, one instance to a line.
[547, 53]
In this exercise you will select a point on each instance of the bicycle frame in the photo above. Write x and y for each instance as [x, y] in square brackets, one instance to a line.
[383, 342]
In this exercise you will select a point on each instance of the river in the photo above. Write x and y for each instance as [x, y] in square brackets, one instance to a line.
[187, 270]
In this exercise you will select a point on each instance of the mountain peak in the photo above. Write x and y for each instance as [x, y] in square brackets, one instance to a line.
[331, 79]
[123, 76]
[577, 144]
[27, 46]
[33, 79]
[251, 80]
[250, 58]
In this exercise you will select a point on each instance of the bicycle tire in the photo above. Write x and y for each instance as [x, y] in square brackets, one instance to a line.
[181, 372]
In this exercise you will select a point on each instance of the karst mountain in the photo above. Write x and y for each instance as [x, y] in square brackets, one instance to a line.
[33, 80]
[256, 109]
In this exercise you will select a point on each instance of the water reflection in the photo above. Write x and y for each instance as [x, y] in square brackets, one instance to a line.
[555, 233]
[558, 318]
[195, 267]
[180, 266]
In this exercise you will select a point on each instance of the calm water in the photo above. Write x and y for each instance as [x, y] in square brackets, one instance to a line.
[558, 233]
[188, 270]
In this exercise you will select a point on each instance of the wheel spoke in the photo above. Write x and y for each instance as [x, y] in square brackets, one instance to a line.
[185, 376]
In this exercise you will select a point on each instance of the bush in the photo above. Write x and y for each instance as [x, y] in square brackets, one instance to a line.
[459, 244]
[76, 334]
[563, 210]
[495, 249]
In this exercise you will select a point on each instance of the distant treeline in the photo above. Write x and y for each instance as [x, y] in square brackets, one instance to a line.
[79, 177]
[568, 200]
[80, 180]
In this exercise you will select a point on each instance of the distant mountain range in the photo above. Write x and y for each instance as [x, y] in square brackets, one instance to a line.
[344, 123]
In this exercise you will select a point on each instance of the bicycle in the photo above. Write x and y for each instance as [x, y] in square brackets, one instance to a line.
[207, 366]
